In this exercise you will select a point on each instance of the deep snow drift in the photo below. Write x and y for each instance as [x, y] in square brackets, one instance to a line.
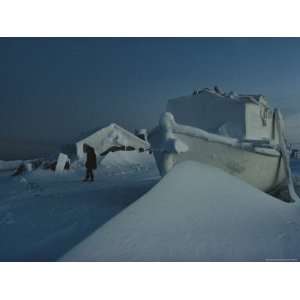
[197, 213]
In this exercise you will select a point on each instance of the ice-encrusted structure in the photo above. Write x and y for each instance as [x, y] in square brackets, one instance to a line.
[285, 155]
[112, 135]
[238, 116]
[240, 134]
[170, 126]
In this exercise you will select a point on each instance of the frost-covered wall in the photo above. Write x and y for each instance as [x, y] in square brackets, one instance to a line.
[211, 112]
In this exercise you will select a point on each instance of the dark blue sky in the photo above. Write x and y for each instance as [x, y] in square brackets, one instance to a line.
[54, 89]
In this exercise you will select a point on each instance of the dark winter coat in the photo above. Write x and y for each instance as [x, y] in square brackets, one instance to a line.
[91, 160]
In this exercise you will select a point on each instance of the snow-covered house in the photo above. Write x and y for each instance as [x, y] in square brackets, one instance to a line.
[113, 135]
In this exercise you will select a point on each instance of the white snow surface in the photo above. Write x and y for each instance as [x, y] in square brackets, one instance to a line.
[169, 122]
[127, 161]
[112, 135]
[9, 165]
[208, 110]
[285, 156]
[197, 213]
[43, 213]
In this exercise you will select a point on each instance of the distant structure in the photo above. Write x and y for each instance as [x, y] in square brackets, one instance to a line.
[112, 137]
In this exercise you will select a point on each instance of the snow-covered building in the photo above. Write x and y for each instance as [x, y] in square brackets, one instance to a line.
[113, 135]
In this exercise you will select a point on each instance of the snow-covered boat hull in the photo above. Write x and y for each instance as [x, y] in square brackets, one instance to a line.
[261, 167]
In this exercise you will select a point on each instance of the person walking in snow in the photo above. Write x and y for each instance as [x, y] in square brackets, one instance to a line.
[91, 162]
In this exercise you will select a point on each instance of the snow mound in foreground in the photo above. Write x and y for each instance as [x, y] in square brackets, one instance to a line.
[126, 161]
[197, 213]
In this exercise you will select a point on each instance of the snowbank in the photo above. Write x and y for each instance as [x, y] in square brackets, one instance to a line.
[127, 161]
[43, 213]
[197, 213]
[9, 165]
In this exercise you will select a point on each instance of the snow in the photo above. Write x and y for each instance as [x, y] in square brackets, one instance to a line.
[168, 122]
[43, 214]
[197, 213]
[112, 135]
[173, 144]
[208, 110]
[9, 165]
[228, 129]
[233, 95]
[267, 151]
[127, 162]
[237, 116]
[61, 162]
[285, 155]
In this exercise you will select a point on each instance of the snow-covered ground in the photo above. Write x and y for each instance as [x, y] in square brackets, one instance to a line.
[44, 214]
[198, 213]
[9, 165]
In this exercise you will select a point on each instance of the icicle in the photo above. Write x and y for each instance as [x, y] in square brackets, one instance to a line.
[285, 155]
